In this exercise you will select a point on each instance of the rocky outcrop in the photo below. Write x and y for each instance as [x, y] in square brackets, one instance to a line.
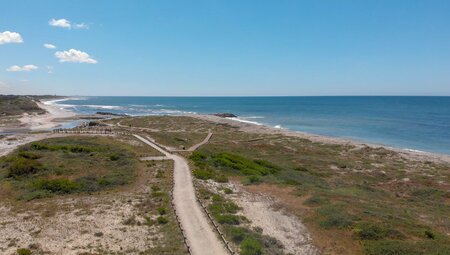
[225, 115]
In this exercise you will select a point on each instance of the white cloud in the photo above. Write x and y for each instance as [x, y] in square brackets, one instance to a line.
[10, 37]
[73, 55]
[49, 69]
[60, 23]
[24, 68]
[81, 26]
[49, 46]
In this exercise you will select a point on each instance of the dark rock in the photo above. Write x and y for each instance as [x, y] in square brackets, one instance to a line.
[111, 113]
[225, 115]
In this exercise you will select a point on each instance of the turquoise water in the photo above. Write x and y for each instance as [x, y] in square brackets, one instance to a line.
[418, 123]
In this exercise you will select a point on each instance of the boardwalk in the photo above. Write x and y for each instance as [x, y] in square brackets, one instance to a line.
[200, 235]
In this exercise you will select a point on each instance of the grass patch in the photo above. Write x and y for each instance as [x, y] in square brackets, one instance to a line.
[334, 217]
[67, 165]
[23, 251]
[216, 166]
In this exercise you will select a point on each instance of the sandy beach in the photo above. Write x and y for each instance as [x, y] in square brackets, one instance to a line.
[48, 120]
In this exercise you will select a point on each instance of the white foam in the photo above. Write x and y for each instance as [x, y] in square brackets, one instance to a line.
[413, 150]
[252, 117]
[245, 121]
[108, 107]
[278, 126]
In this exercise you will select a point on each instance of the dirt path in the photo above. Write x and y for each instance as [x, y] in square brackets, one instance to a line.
[196, 146]
[200, 235]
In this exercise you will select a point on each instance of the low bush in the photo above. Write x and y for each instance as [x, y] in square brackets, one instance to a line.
[237, 234]
[227, 190]
[29, 155]
[114, 157]
[88, 183]
[72, 148]
[253, 179]
[23, 166]
[370, 231]
[228, 219]
[203, 174]
[61, 186]
[429, 234]
[251, 246]
[390, 247]
[162, 220]
[220, 178]
[334, 217]
[23, 251]
[162, 210]
[233, 162]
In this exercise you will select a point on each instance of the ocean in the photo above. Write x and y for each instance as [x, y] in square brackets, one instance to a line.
[413, 123]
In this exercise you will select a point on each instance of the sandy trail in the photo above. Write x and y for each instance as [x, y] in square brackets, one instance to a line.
[200, 235]
[194, 147]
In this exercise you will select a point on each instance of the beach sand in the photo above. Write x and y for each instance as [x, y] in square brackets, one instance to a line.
[54, 117]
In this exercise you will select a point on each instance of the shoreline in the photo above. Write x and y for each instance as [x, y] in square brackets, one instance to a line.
[265, 129]
[54, 117]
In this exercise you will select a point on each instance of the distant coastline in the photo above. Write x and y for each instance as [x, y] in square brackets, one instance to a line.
[417, 124]
[253, 126]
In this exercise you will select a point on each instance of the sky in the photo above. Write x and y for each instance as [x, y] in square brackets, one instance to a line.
[225, 47]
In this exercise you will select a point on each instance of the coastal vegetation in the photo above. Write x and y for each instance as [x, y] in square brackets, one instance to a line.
[66, 179]
[68, 165]
[17, 105]
[354, 199]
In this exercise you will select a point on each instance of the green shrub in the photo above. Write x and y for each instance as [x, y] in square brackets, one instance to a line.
[198, 157]
[23, 251]
[162, 220]
[337, 221]
[114, 157]
[251, 246]
[37, 194]
[253, 179]
[203, 174]
[220, 178]
[237, 234]
[390, 247]
[334, 217]
[159, 174]
[370, 231]
[162, 210]
[264, 163]
[23, 166]
[29, 155]
[429, 234]
[228, 219]
[227, 190]
[301, 169]
[88, 183]
[60, 186]
[72, 148]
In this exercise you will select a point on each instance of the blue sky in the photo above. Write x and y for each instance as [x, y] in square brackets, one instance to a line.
[225, 47]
